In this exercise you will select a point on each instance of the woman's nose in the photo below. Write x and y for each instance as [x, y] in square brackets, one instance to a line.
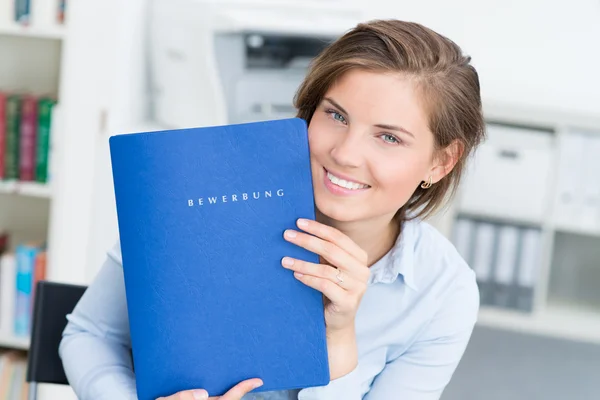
[348, 151]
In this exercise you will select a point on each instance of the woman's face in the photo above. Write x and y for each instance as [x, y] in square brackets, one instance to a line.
[370, 131]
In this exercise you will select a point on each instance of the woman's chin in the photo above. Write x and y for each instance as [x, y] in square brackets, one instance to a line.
[335, 213]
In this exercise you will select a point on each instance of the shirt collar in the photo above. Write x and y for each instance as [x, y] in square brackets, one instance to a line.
[398, 261]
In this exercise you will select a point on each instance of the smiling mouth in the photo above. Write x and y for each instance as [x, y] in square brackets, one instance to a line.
[350, 185]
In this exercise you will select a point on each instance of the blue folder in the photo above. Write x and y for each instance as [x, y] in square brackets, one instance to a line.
[201, 215]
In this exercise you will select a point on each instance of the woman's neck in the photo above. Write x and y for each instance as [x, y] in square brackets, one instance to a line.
[376, 237]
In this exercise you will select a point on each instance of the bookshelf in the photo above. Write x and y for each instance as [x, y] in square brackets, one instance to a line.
[558, 320]
[32, 67]
[52, 33]
[13, 342]
[563, 303]
[76, 63]
[31, 189]
[578, 230]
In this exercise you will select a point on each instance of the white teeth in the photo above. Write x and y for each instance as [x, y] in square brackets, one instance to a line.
[345, 184]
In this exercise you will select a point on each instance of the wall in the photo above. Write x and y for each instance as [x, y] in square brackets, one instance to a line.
[533, 53]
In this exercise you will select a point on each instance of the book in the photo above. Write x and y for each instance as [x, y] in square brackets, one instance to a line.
[13, 368]
[45, 108]
[13, 124]
[3, 242]
[60, 12]
[28, 137]
[2, 132]
[25, 255]
[39, 274]
[54, 143]
[8, 293]
[201, 214]
[22, 12]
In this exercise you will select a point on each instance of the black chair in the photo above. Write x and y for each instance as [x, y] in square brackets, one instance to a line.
[53, 301]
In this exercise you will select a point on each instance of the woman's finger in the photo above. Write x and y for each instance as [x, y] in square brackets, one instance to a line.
[339, 277]
[198, 394]
[331, 290]
[333, 235]
[330, 252]
[239, 390]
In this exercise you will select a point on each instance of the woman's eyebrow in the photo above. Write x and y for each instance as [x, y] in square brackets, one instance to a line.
[336, 105]
[382, 126]
[394, 128]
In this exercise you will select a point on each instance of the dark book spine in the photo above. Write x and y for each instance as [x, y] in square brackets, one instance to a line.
[27, 145]
[45, 107]
[13, 117]
[2, 133]
[3, 246]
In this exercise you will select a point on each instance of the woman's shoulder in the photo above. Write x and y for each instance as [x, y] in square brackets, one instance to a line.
[446, 295]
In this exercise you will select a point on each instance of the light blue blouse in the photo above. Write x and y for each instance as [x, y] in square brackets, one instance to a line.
[413, 326]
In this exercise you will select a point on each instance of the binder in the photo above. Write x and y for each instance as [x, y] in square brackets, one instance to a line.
[201, 215]
[528, 269]
[463, 236]
[483, 258]
[504, 285]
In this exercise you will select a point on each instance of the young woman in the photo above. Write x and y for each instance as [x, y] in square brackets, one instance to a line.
[394, 110]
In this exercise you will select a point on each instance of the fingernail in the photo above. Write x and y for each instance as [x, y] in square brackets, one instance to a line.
[287, 261]
[298, 275]
[257, 384]
[302, 222]
[200, 394]
[290, 234]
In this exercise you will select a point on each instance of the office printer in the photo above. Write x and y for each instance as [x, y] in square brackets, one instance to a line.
[215, 62]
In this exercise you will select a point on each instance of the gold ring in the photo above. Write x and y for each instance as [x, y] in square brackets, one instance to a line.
[339, 276]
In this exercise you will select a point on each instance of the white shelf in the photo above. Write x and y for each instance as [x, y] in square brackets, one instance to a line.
[31, 189]
[11, 342]
[50, 32]
[551, 224]
[499, 218]
[557, 320]
[578, 230]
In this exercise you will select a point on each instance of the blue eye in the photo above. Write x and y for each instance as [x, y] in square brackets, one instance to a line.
[390, 138]
[336, 116]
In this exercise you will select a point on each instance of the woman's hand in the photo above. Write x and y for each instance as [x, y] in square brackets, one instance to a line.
[235, 393]
[342, 277]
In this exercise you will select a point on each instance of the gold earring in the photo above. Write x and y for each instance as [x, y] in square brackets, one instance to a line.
[428, 184]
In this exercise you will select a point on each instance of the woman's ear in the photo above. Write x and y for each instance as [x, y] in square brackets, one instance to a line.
[446, 159]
